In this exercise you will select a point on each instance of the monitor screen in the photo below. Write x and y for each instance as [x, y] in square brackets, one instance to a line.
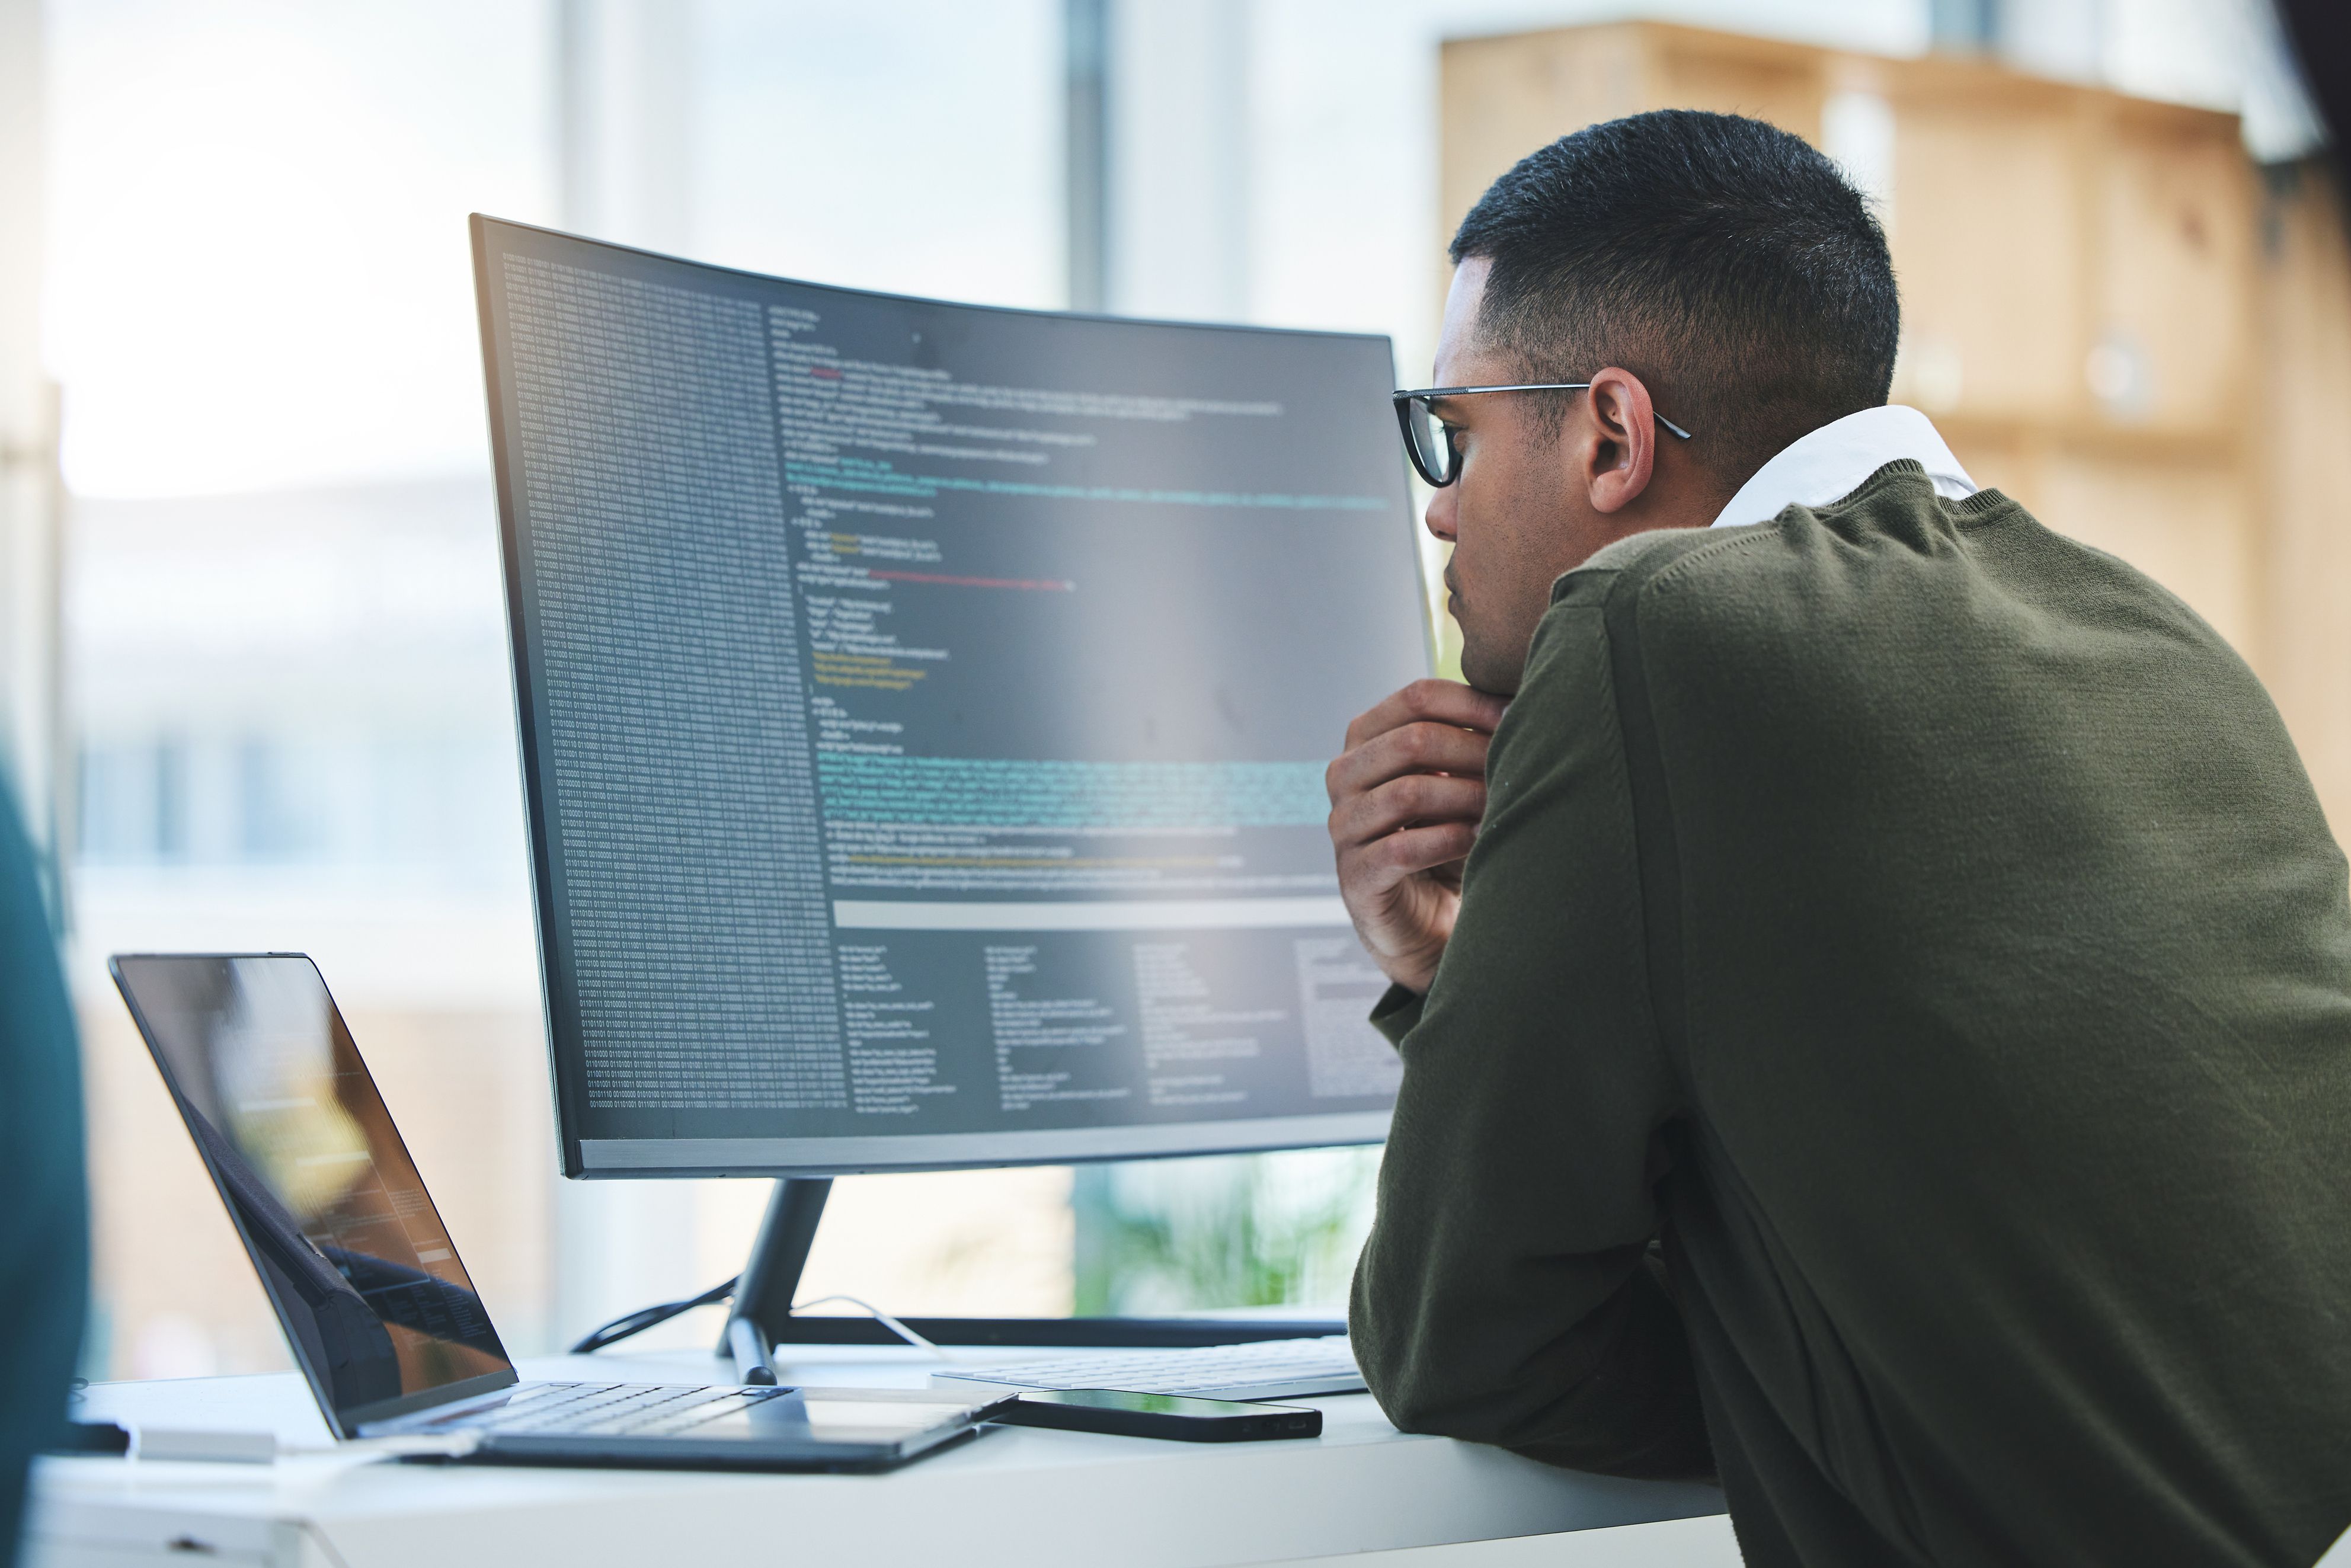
[925, 709]
[379, 1313]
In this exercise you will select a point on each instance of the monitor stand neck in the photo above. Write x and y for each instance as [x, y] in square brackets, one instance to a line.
[771, 1278]
[763, 1303]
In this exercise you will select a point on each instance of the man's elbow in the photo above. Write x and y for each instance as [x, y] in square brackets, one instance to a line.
[1423, 1388]
[1630, 1409]
[1417, 1405]
[1615, 1432]
[1438, 1412]
[1432, 1368]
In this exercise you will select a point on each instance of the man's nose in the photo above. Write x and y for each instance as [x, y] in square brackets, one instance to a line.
[1443, 506]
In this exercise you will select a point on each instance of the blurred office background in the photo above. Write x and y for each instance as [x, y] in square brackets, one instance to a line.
[255, 692]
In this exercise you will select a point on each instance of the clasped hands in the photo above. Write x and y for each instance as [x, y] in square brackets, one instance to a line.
[1406, 798]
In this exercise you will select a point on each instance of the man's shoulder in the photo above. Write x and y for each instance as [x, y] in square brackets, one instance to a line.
[1697, 566]
[1630, 563]
[1888, 585]
[1700, 560]
[1896, 507]
[1797, 573]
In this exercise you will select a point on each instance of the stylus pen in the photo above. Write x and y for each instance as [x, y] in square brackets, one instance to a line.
[750, 1351]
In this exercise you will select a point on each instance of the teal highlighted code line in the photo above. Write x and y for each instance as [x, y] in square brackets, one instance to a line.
[881, 479]
[993, 792]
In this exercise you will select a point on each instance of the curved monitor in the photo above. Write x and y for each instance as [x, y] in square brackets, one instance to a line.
[923, 712]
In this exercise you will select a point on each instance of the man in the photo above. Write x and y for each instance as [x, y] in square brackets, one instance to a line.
[1877, 1012]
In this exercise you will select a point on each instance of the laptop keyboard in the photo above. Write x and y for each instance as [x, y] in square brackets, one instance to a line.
[606, 1409]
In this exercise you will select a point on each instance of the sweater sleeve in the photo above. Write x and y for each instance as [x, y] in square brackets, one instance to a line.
[1509, 1292]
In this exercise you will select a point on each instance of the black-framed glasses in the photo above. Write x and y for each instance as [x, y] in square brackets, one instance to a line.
[1430, 445]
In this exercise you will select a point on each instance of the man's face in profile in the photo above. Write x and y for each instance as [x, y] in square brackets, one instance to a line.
[1515, 516]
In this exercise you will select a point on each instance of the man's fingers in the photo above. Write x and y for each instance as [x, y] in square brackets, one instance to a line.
[1384, 863]
[1410, 749]
[1416, 798]
[1430, 701]
[1406, 803]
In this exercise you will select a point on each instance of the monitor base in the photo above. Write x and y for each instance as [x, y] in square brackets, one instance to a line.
[771, 1278]
[1133, 1333]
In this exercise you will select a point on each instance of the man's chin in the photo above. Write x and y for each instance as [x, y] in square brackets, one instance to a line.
[1499, 677]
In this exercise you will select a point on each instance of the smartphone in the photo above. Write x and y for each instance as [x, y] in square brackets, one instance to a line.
[1159, 1415]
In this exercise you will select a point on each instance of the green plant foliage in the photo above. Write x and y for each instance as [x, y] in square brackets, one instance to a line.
[1250, 1231]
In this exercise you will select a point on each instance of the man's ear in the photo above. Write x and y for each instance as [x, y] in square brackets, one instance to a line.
[1621, 450]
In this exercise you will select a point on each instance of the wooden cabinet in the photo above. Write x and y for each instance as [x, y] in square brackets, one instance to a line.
[2108, 310]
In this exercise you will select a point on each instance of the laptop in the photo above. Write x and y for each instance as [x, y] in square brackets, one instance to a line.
[379, 1313]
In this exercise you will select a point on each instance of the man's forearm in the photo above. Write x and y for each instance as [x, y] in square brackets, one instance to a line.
[1506, 1292]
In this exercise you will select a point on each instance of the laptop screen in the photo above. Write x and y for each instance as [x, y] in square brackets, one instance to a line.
[377, 1307]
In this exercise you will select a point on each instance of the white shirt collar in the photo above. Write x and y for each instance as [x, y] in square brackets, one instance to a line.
[1831, 463]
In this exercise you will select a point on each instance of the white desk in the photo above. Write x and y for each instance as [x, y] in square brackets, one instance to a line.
[1014, 1497]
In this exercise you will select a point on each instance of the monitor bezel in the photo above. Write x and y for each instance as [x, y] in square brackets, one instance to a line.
[800, 1158]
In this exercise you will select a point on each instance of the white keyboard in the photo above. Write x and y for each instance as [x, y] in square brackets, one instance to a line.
[1264, 1369]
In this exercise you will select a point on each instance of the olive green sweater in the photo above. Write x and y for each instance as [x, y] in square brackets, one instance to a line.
[1895, 1055]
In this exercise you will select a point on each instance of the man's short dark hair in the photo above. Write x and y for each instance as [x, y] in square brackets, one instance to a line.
[1725, 262]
